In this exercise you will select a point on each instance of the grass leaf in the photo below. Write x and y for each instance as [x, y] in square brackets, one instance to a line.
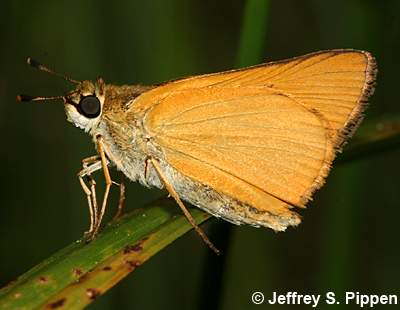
[79, 273]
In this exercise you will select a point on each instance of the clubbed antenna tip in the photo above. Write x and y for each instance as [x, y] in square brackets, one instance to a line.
[37, 65]
[25, 98]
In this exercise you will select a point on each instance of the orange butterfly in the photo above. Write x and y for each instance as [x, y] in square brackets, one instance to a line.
[247, 145]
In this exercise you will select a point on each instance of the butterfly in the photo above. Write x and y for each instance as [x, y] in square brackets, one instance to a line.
[249, 146]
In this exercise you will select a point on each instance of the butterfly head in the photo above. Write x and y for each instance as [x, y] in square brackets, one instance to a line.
[83, 105]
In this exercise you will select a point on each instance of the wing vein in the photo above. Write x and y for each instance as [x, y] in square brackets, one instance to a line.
[225, 117]
[326, 73]
[233, 175]
[265, 147]
[318, 61]
[206, 104]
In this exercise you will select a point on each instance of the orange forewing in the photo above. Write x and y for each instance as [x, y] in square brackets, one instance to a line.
[265, 135]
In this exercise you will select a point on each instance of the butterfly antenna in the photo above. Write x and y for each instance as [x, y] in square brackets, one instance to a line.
[37, 65]
[25, 98]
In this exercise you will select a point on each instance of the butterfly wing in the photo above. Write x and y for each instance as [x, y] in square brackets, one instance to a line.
[265, 135]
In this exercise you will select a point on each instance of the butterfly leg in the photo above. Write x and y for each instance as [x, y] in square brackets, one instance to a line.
[90, 165]
[185, 211]
[104, 165]
[121, 201]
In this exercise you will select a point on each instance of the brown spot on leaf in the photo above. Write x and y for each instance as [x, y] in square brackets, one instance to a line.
[132, 264]
[107, 268]
[128, 249]
[136, 247]
[92, 293]
[77, 272]
[57, 304]
[43, 280]
[133, 248]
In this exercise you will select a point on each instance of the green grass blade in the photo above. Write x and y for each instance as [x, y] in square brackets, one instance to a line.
[252, 32]
[373, 138]
[79, 273]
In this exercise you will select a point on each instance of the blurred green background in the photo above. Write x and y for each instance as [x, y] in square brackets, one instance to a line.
[349, 237]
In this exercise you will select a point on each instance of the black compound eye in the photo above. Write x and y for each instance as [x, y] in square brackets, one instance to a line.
[89, 106]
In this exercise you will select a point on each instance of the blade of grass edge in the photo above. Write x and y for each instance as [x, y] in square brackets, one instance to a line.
[102, 278]
[71, 264]
[373, 138]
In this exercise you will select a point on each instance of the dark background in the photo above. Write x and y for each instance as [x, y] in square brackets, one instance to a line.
[349, 237]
